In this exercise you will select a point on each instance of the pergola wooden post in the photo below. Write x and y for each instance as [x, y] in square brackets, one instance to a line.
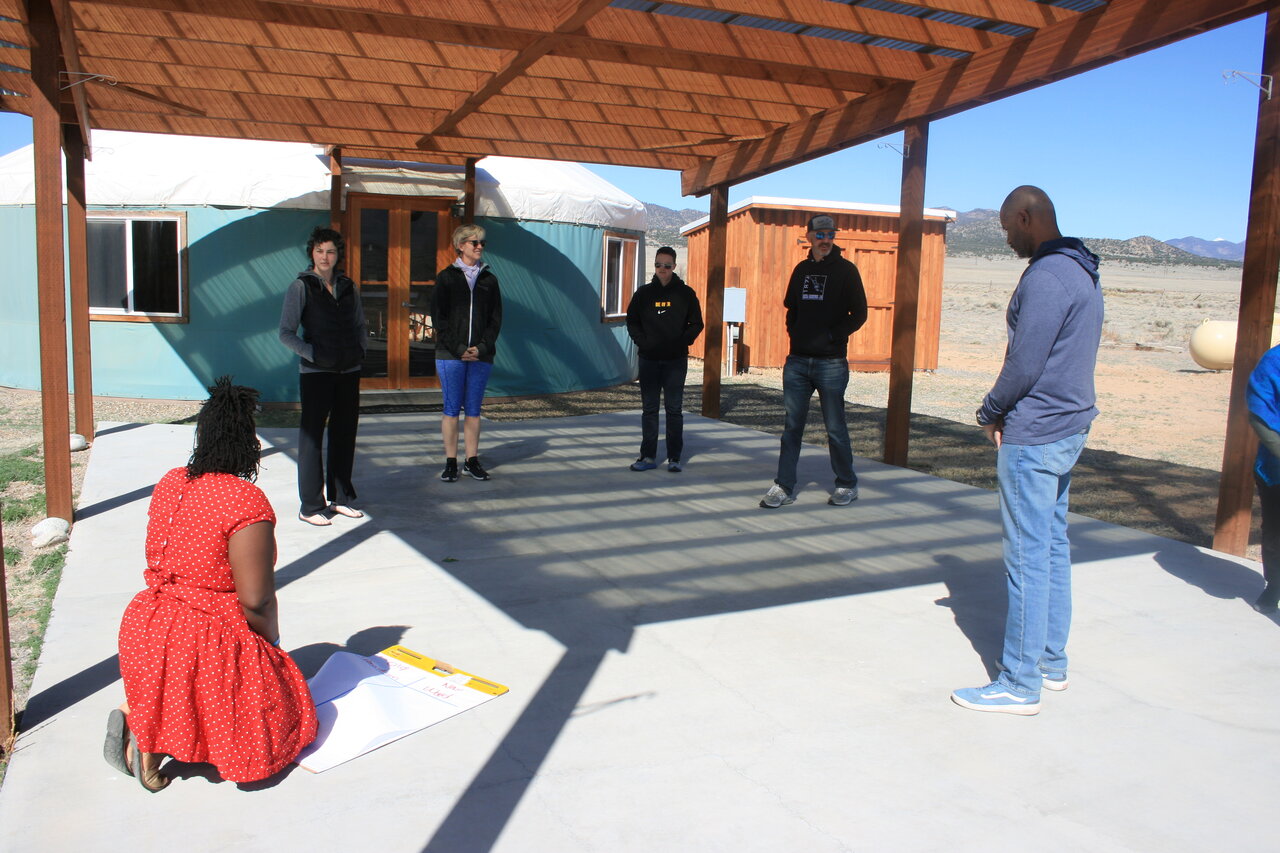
[335, 189]
[906, 293]
[1257, 305]
[469, 192]
[6, 667]
[78, 267]
[713, 311]
[46, 130]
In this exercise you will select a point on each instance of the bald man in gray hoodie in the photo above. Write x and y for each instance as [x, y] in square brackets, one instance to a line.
[1038, 415]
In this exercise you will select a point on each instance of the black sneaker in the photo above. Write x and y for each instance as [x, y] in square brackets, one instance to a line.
[450, 472]
[473, 469]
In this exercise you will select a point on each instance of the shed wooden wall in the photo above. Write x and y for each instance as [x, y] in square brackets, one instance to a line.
[765, 244]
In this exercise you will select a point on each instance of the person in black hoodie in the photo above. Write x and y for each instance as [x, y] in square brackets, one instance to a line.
[466, 310]
[825, 304]
[663, 319]
[326, 304]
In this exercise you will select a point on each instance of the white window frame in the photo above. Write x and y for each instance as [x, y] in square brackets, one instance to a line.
[626, 288]
[129, 314]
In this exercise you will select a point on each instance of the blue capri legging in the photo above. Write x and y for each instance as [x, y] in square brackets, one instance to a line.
[462, 385]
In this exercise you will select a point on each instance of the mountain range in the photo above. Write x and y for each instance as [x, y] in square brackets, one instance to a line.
[978, 233]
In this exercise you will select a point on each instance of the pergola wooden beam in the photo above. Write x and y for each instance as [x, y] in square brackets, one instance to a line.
[50, 271]
[906, 294]
[78, 279]
[577, 17]
[1122, 28]
[73, 72]
[713, 311]
[611, 35]
[860, 19]
[1257, 305]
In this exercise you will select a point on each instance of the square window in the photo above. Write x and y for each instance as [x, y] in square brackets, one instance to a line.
[621, 274]
[135, 267]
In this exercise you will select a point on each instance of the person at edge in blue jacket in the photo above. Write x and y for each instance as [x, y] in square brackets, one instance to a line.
[1264, 417]
[1038, 415]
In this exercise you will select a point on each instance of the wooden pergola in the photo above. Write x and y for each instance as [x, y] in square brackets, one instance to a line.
[722, 90]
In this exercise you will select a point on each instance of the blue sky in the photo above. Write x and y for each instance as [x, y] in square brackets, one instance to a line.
[1156, 144]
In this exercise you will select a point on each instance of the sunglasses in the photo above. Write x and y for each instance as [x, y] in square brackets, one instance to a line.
[479, 243]
[825, 235]
[662, 266]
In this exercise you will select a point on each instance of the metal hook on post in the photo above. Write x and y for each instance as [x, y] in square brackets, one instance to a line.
[86, 77]
[903, 149]
[1262, 81]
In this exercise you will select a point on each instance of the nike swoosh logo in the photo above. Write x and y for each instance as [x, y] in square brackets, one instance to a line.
[663, 311]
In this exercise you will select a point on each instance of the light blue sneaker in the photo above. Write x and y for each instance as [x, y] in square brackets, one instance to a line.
[996, 699]
[1054, 680]
[644, 463]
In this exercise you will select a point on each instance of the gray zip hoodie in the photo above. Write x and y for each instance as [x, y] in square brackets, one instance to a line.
[1045, 389]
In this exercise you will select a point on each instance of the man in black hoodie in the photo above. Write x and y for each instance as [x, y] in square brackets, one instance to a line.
[825, 304]
[664, 317]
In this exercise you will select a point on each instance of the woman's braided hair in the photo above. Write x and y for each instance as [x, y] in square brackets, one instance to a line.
[226, 438]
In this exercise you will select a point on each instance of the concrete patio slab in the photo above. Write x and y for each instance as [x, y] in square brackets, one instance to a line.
[687, 671]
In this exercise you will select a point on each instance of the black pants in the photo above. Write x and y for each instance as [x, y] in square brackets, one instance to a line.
[665, 377]
[1269, 496]
[332, 398]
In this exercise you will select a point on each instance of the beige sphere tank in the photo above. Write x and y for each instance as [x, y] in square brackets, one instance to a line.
[1213, 343]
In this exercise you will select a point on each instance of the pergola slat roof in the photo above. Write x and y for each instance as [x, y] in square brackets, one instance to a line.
[743, 86]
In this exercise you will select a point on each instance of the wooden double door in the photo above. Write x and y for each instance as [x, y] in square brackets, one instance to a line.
[395, 247]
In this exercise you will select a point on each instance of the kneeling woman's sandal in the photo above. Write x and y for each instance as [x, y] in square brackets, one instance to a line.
[151, 780]
[117, 742]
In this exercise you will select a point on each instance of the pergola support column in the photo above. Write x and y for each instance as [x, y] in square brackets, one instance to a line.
[46, 127]
[77, 259]
[6, 668]
[713, 311]
[335, 189]
[906, 293]
[469, 192]
[1257, 305]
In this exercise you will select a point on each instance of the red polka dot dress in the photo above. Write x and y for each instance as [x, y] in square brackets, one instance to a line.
[201, 685]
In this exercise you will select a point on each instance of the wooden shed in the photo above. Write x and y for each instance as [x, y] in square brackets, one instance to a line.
[767, 239]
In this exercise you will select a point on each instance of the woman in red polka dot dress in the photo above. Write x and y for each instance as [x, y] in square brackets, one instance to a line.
[204, 677]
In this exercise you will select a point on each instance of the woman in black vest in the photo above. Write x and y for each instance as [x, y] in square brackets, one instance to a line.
[334, 338]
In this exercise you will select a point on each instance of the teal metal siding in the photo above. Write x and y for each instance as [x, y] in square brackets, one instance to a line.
[239, 263]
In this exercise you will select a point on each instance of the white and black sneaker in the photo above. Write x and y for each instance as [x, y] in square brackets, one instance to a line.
[472, 467]
[450, 472]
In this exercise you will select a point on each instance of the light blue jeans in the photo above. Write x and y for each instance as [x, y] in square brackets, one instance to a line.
[1034, 484]
[801, 376]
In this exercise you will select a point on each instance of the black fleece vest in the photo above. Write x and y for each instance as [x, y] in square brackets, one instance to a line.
[330, 325]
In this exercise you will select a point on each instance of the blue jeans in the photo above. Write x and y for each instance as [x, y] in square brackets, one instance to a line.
[800, 378]
[663, 377]
[1034, 485]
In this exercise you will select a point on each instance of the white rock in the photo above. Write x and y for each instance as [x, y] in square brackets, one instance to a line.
[51, 531]
[78, 442]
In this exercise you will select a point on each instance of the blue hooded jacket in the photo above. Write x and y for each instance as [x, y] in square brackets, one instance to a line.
[1264, 404]
[1045, 389]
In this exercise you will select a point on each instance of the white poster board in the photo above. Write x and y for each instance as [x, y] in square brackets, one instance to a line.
[363, 703]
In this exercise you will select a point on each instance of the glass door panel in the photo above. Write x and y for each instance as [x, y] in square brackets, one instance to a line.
[374, 296]
[424, 236]
[397, 246]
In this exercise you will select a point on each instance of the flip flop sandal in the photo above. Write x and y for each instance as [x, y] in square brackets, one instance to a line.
[346, 511]
[158, 781]
[306, 519]
[113, 748]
